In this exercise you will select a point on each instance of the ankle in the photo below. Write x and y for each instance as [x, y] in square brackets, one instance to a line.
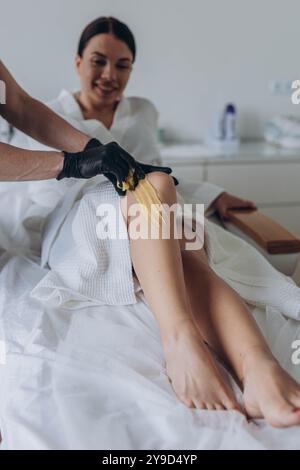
[253, 358]
[175, 331]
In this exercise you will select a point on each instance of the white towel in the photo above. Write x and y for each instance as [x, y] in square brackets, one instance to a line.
[86, 269]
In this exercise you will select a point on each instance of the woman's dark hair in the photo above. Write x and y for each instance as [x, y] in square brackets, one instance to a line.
[107, 24]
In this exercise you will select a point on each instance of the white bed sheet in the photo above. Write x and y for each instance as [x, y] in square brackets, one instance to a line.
[95, 379]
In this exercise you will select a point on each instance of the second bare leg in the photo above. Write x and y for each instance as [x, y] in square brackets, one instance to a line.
[228, 326]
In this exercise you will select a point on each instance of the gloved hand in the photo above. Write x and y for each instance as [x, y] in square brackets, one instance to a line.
[97, 159]
[150, 168]
[147, 169]
[138, 174]
[110, 159]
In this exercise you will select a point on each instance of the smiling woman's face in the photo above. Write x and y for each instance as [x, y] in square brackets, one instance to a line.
[104, 69]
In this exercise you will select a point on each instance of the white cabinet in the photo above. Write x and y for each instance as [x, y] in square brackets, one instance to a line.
[267, 175]
[265, 183]
[190, 172]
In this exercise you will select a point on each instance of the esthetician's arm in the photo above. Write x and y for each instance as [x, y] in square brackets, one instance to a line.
[38, 121]
[82, 157]
[26, 165]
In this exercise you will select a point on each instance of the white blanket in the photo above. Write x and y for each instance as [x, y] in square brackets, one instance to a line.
[95, 379]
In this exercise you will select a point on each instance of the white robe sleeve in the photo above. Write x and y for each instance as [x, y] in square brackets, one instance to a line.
[140, 139]
[199, 193]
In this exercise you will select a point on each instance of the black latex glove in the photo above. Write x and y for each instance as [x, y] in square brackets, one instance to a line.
[98, 159]
[146, 169]
[111, 160]
[150, 168]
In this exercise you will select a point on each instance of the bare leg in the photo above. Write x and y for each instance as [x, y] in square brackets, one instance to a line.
[227, 325]
[191, 368]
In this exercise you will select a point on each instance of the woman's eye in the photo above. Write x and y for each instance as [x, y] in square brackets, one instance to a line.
[124, 67]
[102, 63]
[99, 62]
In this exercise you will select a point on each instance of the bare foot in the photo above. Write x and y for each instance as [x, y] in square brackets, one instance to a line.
[193, 372]
[269, 392]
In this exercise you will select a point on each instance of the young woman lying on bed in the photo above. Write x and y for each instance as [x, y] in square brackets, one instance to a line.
[196, 310]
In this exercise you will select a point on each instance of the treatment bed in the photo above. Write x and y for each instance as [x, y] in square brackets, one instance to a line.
[94, 377]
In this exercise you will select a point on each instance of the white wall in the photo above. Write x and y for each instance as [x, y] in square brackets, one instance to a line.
[192, 54]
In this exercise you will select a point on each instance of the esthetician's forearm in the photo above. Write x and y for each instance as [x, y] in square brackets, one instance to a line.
[36, 119]
[49, 128]
[24, 165]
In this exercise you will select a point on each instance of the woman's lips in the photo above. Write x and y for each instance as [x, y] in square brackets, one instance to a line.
[105, 90]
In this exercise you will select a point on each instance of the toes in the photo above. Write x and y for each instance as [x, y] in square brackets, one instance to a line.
[190, 404]
[296, 416]
[290, 418]
[187, 402]
[200, 405]
[286, 415]
[233, 405]
[210, 406]
[295, 400]
[219, 407]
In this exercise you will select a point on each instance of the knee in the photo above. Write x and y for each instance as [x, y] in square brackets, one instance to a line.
[160, 179]
[164, 185]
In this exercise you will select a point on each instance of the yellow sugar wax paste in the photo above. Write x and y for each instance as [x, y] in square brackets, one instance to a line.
[146, 196]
